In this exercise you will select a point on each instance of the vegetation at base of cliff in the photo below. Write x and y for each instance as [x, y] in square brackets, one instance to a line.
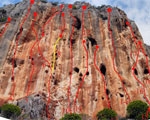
[3, 19]
[74, 7]
[106, 113]
[137, 109]
[72, 116]
[10, 111]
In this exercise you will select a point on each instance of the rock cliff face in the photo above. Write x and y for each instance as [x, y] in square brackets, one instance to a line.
[56, 59]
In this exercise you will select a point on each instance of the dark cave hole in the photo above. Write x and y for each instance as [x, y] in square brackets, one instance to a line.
[46, 71]
[77, 23]
[102, 98]
[3, 72]
[80, 79]
[87, 73]
[107, 91]
[121, 95]
[70, 73]
[95, 99]
[128, 58]
[146, 71]
[123, 82]
[103, 69]
[92, 40]
[80, 75]
[73, 41]
[21, 62]
[56, 82]
[12, 78]
[15, 64]
[103, 17]
[135, 71]
[76, 69]
[21, 29]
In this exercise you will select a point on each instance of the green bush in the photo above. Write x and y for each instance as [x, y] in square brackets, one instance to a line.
[10, 110]
[136, 109]
[106, 114]
[72, 116]
[3, 19]
[74, 7]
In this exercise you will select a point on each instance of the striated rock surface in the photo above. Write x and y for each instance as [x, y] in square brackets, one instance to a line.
[69, 60]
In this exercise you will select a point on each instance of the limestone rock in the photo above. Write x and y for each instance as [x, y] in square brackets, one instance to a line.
[62, 64]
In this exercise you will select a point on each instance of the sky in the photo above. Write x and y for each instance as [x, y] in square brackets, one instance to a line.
[137, 10]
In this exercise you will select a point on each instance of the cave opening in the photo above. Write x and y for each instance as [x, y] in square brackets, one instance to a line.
[80, 75]
[146, 71]
[135, 72]
[76, 69]
[80, 79]
[103, 69]
[12, 78]
[87, 73]
[56, 82]
[121, 95]
[77, 23]
[46, 71]
[73, 41]
[15, 64]
[92, 40]
[107, 91]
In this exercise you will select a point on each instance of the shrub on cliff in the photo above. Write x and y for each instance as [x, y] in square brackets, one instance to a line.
[136, 109]
[72, 116]
[10, 110]
[106, 114]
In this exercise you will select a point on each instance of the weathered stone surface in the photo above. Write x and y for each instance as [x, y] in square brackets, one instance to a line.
[91, 96]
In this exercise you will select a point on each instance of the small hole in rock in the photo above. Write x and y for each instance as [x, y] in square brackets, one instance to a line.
[146, 71]
[107, 91]
[103, 69]
[12, 78]
[15, 64]
[73, 41]
[70, 73]
[80, 75]
[55, 82]
[92, 40]
[77, 23]
[121, 95]
[135, 72]
[46, 71]
[80, 79]
[76, 69]
[3, 72]
[123, 82]
[87, 73]
[102, 98]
